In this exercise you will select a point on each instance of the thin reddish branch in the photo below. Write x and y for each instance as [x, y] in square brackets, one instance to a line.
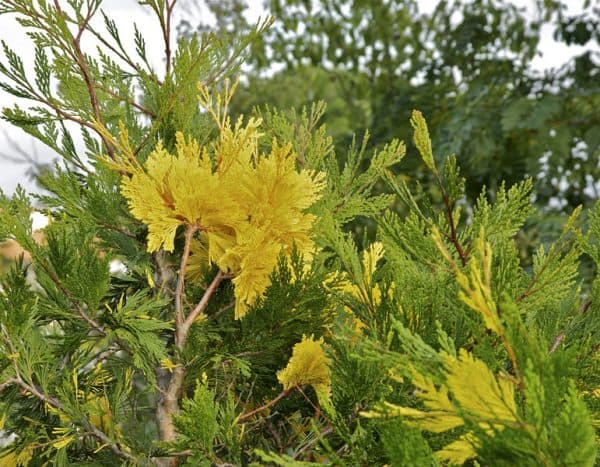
[167, 35]
[201, 306]
[264, 407]
[179, 289]
[87, 78]
[453, 234]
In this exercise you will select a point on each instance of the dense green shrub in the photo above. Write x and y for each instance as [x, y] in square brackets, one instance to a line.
[245, 325]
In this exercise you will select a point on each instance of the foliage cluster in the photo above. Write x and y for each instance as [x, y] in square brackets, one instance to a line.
[246, 325]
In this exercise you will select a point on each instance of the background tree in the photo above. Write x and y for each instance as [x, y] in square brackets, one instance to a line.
[467, 66]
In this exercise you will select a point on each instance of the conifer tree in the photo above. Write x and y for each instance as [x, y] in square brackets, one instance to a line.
[246, 325]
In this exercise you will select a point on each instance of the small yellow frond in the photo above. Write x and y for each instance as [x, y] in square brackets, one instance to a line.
[308, 365]
[471, 391]
[478, 392]
[63, 442]
[370, 258]
[422, 139]
[198, 263]
[459, 451]
[20, 459]
[168, 364]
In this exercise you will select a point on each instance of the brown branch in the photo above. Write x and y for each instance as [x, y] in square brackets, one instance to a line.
[179, 289]
[8, 382]
[453, 237]
[201, 306]
[87, 78]
[557, 341]
[126, 99]
[264, 407]
[167, 35]
[168, 404]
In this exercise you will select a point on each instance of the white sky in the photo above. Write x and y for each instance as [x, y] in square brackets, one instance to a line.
[126, 11]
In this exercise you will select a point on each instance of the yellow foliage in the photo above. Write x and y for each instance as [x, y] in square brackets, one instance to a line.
[459, 451]
[477, 391]
[174, 190]
[14, 459]
[198, 262]
[248, 207]
[471, 391]
[366, 290]
[422, 139]
[308, 365]
[362, 291]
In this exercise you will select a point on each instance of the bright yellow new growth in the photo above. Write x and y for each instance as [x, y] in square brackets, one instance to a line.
[173, 190]
[366, 290]
[308, 365]
[471, 391]
[248, 207]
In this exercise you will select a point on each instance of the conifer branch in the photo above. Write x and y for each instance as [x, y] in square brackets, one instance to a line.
[167, 35]
[560, 337]
[171, 101]
[84, 316]
[535, 285]
[126, 99]
[85, 72]
[179, 289]
[57, 404]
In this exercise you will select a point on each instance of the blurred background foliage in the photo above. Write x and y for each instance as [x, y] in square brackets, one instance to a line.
[467, 66]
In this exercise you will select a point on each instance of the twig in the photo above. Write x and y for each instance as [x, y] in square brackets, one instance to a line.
[557, 341]
[562, 334]
[201, 306]
[89, 83]
[167, 35]
[453, 237]
[531, 288]
[271, 403]
[94, 324]
[126, 99]
[325, 432]
[222, 310]
[7, 383]
[169, 104]
[179, 317]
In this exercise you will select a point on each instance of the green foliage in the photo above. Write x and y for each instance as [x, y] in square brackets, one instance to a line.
[433, 344]
[468, 65]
